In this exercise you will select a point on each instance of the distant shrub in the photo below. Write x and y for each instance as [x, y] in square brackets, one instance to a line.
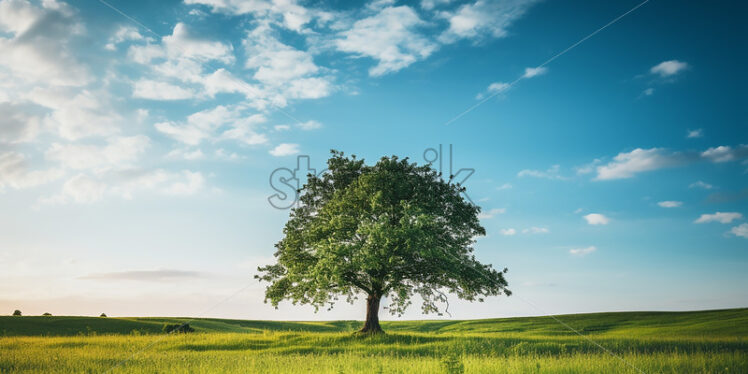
[47, 314]
[16, 312]
[103, 315]
[178, 328]
[453, 365]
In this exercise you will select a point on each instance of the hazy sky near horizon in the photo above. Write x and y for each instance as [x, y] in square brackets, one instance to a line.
[138, 139]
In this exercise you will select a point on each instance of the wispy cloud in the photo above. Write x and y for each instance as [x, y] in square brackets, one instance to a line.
[596, 219]
[698, 133]
[285, 149]
[628, 164]
[391, 37]
[670, 204]
[668, 68]
[144, 275]
[508, 231]
[550, 173]
[701, 184]
[740, 230]
[505, 186]
[721, 217]
[536, 230]
[583, 251]
[664, 72]
[491, 213]
[534, 72]
[726, 153]
[482, 19]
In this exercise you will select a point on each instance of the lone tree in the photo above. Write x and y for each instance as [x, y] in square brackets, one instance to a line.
[16, 312]
[394, 229]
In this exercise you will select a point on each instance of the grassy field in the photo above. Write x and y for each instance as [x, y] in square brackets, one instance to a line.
[649, 342]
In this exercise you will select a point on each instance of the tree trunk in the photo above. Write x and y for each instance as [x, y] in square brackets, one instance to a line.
[371, 326]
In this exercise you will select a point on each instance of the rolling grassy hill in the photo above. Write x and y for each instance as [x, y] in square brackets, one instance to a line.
[631, 342]
[722, 323]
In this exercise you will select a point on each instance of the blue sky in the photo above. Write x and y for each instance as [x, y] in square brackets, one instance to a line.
[138, 139]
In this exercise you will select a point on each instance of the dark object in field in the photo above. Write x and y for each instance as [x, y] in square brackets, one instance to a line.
[183, 328]
[103, 315]
[47, 314]
[17, 312]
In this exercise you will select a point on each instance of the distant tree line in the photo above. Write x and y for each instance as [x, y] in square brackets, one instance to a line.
[18, 313]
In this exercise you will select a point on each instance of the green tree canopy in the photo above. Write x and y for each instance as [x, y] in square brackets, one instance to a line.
[394, 229]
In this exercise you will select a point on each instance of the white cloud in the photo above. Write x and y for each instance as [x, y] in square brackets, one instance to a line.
[243, 130]
[741, 230]
[589, 168]
[144, 54]
[534, 72]
[188, 58]
[583, 251]
[508, 232]
[285, 149]
[483, 18]
[117, 152]
[222, 81]
[668, 68]
[701, 184]
[17, 125]
[505, 186]
[15, 173]
[123, 34]
[276, 63]
[726, 153]
[721, 217]
[536, 230]
[80, 189]
[493, 88]
[309, 88]
[124, 183]
[497, 87]
[38, 50]
[551, 173]
[76, 114]
[628, 164]
[192, 183]
[596, 219]
[286, 13]
[206, 125]
[186, 154]
[390, 37]
[309, 125]
[431, 4]
[222, 154]
[695, 133]
[670, 204]
[154, 90]
[648, 91]
[491, 213]
[183, 44]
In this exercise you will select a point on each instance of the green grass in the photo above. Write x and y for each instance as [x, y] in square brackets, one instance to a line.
[654, 342]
